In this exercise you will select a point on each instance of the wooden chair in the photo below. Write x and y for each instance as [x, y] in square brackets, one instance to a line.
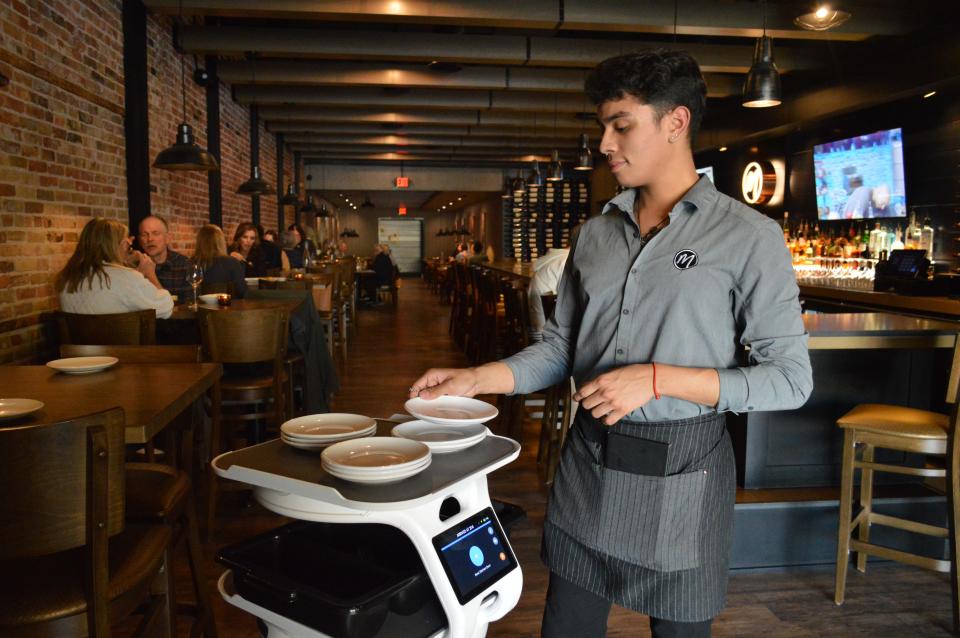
[69, 565]
[241, 339]
[161, 493]
[136, 328]
[872, 426]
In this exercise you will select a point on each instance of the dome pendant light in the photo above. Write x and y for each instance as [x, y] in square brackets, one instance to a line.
[823, 19]
[762, 87]
[290, 198]
[584, 156]
[536, 177]
[308, 206]
[256, 185]
[555, 172]
[185, 154]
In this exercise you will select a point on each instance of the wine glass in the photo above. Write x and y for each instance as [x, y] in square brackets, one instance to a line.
[195, 278]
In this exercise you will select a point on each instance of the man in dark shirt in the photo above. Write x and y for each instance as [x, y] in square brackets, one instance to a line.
[172, 267]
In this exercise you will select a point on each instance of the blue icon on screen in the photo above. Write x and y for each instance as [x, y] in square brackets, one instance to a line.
[496, 541]
[476, 556]
[490, 531]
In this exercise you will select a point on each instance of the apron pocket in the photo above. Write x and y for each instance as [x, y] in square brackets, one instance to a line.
[652, 521]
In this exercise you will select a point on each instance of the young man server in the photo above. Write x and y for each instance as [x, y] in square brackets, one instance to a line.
[657, 296]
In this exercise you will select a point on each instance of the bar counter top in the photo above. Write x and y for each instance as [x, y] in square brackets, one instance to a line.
[944, 307]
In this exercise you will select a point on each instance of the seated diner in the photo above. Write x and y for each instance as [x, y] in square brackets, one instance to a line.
[218, 267]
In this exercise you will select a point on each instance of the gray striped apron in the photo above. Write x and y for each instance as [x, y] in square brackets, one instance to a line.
[658, 545]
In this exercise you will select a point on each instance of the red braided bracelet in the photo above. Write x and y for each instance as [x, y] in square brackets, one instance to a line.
[656, 395]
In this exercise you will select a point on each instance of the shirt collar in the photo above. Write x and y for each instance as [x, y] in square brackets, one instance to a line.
[700, 196]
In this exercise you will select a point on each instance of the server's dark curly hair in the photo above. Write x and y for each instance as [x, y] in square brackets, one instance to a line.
[660, 78]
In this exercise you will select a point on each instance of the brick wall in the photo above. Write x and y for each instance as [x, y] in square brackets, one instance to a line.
[62, 150]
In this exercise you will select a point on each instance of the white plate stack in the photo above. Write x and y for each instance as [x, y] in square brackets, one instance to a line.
[377, 459]
[317, 431]
[442, 439]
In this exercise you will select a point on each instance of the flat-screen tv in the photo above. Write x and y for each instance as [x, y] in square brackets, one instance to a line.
[861, 177]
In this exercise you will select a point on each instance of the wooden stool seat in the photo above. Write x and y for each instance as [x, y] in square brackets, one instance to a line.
[135, 557]
[898, 421]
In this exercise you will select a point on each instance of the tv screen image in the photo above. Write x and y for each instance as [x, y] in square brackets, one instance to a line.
[861, 177]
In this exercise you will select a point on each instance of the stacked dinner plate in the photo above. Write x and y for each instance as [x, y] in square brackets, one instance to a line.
[317, 431]
[447, 424]
[442, 439]
[377, 459]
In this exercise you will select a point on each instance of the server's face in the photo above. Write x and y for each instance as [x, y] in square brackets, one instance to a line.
[633, 141]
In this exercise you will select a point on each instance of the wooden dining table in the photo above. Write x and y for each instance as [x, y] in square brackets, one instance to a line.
[186, 312]
[151, 395]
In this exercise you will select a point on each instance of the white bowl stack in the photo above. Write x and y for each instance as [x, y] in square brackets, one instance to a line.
[318, 431]
[377, 459]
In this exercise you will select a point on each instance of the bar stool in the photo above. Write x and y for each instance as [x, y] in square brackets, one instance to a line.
[871, 426]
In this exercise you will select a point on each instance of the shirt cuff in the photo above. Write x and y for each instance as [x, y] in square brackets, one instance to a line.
[733, 390]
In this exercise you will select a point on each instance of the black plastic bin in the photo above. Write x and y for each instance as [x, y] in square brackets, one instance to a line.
[344, 580]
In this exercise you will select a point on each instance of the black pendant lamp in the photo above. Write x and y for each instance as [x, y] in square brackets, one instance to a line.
[308, 206]
[762, 88]
[291, 198]
[323, 212]
[823, 19]
[555, 172]
[507, 192]
[256, 185]
[584, 156]
[185, 154]
[366, 202]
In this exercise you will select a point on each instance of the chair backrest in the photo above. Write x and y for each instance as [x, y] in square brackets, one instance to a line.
[216, 288]
[323, 291]
[61, 482]
[136, 354]
[244, 336]
[137, 328]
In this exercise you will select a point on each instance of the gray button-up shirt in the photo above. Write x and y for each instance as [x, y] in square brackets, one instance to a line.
[717, 276]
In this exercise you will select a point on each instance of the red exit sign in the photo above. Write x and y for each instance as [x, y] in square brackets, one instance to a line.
[402, 210]
[403, 182]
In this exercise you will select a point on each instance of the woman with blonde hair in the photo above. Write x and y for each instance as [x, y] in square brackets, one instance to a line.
[220, 271]
[95, 280]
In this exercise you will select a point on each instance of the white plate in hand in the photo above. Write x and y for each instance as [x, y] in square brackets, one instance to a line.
[442, 439]
[450, 410]
[13, 408]
[82, 365]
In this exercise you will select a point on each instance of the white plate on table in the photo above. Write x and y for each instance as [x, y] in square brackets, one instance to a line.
[449, 410]
[373, 455]
[82, 365]
[331, 426]
[14, 408]
[442, 439]
[387, 472]
[210, 299]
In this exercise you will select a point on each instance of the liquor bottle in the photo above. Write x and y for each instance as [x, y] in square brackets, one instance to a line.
[897, 241]
[876, 241]
[912, 237]
[786, 227]
[862, 249]
[926, 238]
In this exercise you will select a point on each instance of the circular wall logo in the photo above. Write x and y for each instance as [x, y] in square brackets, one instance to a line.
[685, 259]
[759, 182]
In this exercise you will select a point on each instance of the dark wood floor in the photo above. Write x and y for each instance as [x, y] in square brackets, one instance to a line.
[394, 346]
